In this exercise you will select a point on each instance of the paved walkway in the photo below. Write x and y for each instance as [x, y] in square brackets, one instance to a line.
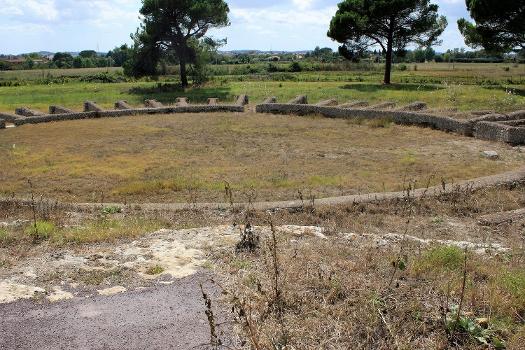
[168, 317]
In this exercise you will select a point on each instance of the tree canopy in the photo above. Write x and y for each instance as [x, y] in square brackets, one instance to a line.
[390, 24]
[499, 27]
[175, 27]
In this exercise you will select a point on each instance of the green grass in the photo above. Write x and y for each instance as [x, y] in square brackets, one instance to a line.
[41, 230]
[461, 86]
[440, 259]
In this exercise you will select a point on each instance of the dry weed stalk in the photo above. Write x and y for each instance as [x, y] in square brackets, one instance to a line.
[215, 341]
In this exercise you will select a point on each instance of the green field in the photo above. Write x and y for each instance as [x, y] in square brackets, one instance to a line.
[498, 87]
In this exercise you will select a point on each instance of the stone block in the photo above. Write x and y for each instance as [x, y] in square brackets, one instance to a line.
[299, 100]
[383, 106]
[242, 100]
[122, 105]
[59, 110]
[153, 104]
[354, 104]
[416, 106]
[90, 106]
[182, 101]
[27, 112]
[272, 99]
[327, 103]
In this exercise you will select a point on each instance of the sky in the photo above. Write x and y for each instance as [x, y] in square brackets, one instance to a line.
[279, 25]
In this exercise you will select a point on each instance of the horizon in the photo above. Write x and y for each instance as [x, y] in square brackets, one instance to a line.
[289, 25]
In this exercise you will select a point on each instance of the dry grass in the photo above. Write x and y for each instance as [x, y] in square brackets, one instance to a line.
[335, 293]
[188, 158]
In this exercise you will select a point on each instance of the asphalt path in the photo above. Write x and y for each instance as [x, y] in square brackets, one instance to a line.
[163, 317]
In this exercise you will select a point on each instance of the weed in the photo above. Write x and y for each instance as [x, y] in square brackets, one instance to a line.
[111, 210]
[155, 270]
[41, 230]
[5, 237]
[215, 341]
[249, 240]
[461, 326]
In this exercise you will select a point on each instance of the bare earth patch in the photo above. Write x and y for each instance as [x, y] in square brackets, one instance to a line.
[189, 158]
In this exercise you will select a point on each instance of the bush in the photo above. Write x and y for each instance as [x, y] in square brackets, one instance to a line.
[295, 67]
[41, 230]
[402, 67]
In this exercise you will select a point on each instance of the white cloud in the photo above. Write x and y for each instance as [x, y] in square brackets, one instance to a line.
[303, 4]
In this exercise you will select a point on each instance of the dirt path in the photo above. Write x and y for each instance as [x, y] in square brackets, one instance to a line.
[167, 317]
[503, 179]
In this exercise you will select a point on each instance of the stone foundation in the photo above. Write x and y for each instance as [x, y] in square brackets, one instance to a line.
[489, 127]
[129, 112]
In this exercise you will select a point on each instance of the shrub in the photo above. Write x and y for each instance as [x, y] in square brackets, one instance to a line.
[41, 230]
[402, 67]
[295, 67]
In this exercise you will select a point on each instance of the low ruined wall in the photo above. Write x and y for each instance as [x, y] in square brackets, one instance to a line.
[508, 128]
[9, 117]
[400, 117]
[128, 112]
[2, 124]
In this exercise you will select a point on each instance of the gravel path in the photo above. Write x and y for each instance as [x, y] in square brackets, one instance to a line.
[168, 317]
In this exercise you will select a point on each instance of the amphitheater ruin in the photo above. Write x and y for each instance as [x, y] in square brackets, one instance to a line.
[507, 128]
[488, 125]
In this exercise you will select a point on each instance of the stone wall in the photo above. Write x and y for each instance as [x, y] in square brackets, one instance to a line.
[129, 112]
[9, 117]
[2, 124]
[477, 127]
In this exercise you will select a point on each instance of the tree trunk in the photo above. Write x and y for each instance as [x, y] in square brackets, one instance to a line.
[183, 73]
[389, 49]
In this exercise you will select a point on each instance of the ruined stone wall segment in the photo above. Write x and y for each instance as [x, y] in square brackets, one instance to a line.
[327, 103]
[27, 112]
[122, 105]
[128, 112]
[9, 118]
[2, 124]
[182, 101]
[90, 106]
[272, 99]
[213, 101]
[383, 105]
[242, 100]
[299, 100]
[354, 104]
[153, 104]
[415, 106]
[399, 117]
[59, 110]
